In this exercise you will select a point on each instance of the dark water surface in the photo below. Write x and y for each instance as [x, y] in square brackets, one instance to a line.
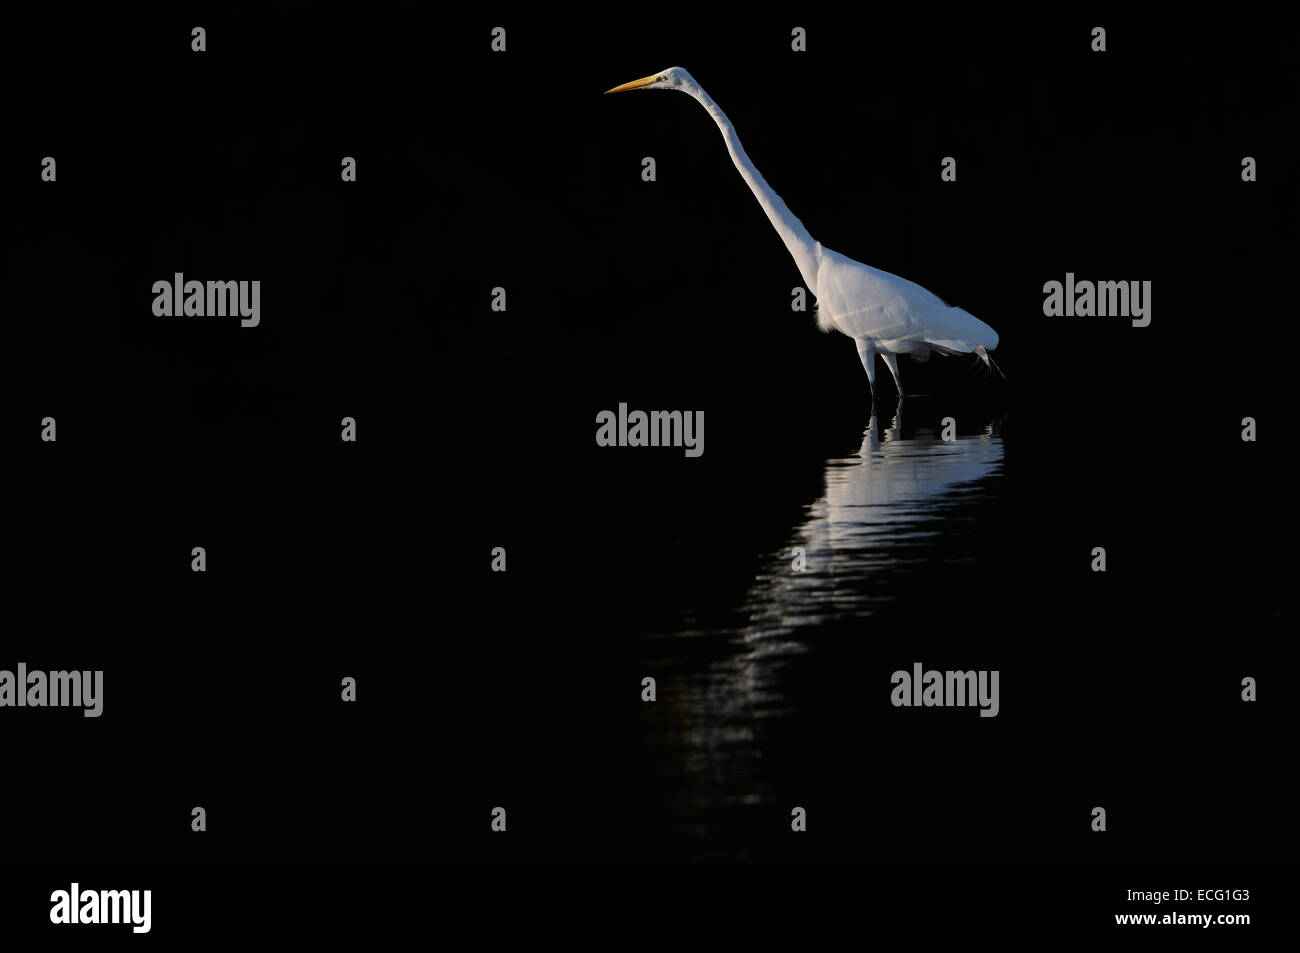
[522, 689]
[1118, 689]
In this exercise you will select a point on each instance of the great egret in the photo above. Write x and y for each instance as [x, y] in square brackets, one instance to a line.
[883, 313]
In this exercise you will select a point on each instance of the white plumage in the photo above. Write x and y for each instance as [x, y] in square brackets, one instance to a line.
[883, 313]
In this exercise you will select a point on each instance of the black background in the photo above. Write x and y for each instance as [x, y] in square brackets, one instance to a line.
[479, 169]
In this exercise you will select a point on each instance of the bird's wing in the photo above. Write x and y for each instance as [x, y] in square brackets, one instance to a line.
[868, 302]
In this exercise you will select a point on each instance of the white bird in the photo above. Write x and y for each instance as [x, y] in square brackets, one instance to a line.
[883, 313]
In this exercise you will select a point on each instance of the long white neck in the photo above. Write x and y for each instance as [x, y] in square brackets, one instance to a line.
[797, 240]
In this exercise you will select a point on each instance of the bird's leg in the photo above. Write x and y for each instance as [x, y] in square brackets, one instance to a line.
[868, 355]
[892, 361]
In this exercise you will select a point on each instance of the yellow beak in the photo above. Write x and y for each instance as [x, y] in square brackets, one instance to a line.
[641, 83]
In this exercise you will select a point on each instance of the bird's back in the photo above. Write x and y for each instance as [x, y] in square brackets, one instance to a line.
[866, 302]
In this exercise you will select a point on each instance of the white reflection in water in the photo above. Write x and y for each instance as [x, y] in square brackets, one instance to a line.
[882, 509]
[879, 509]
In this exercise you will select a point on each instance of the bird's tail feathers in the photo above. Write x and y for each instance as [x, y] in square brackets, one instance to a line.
[987, 358]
